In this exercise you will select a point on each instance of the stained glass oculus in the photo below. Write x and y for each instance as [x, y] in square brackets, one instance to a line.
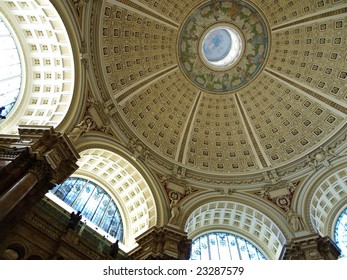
[341, 232]
[95, 204]
[10, 69]
[224, 246]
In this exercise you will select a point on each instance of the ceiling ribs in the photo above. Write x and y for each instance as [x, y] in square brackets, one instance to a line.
[313, 94]
[251, 135]
[146, 11]
[312, 18]
[188, 129]
[129, 92]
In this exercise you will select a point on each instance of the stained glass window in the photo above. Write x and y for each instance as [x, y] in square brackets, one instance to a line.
[94, 203]
[10, 70]
[224, 246]
[341, 233]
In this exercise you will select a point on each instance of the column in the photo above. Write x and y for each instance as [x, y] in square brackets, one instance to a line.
[13, 165]
[13, 196]
[49, 159]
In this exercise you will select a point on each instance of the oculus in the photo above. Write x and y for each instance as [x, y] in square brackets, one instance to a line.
[221, 47]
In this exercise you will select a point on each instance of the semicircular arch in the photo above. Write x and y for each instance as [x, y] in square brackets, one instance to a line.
[136, 188]
[238, 217]
[324, 196]
[49, 67]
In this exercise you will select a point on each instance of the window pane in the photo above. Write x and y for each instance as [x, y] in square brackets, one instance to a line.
[234, 250]
[204, 248]
[10, 70]
[224, 246]
[94, 203]
[100, 212]
[214, 248]
[77, 187]
[341, 232]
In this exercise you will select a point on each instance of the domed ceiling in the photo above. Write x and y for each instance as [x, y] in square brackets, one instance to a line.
[223, 90]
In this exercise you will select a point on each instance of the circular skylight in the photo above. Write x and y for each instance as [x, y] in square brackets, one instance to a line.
[216, 44]
[221, 46]
[10, 69]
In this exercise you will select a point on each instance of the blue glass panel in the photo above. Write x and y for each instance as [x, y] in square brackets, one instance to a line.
[204, 247]
[114, 225]
[234, 251]
[341, 232]
[243, 248]
[77, 187]
[105, 224]
[213, 246]
[196, 250]
[94, 203]
[62, 190]
[252, 252]
[100, 212]
[224, 246]
[83, 196]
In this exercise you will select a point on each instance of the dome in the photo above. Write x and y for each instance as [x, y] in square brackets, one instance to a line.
[254, 108]
[220, 122]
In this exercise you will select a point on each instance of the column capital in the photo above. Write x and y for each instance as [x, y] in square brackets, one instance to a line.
[51, 148]
[310, 247]
[163, 243]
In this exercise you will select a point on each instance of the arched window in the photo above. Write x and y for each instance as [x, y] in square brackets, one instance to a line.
[10, 69]
[341, 233]
[224, 246]
[95, 204]
[37, 87]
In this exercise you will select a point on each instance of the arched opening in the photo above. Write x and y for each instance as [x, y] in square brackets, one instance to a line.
[94, 203]
[41, 93]
[244, 223]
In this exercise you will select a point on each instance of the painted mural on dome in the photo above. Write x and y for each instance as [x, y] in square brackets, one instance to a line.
[246, 20]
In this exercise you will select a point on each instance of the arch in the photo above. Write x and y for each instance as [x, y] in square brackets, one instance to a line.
[95, 140]
[324, 196]
[49, 73]
[127, 180]
[240, 219]
[80, 57]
